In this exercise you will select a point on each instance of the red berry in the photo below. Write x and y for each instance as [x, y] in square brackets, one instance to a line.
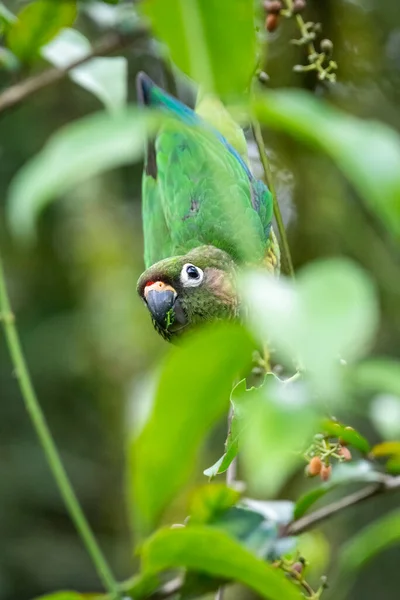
[271, 22]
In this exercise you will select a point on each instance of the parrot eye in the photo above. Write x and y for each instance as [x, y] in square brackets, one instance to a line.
[191, 276]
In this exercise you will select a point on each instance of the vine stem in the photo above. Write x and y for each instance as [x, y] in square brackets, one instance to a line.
[287, 258]
[39, 422]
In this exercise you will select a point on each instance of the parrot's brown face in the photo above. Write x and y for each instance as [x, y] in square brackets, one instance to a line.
[183, 292]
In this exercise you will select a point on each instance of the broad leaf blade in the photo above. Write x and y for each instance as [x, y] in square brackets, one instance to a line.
[76, 152]
[185, 408]
[37, 24]
[213, 41]
[278, 425]
[371, 541]
[213, 552]
[367, 152]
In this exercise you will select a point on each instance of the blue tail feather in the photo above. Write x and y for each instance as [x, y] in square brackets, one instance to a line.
[150, 94]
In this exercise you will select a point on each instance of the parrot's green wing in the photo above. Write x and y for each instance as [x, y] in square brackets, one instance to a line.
[198, 190]
[206, 195]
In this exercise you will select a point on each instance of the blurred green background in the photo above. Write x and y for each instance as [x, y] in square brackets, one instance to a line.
[88, 340]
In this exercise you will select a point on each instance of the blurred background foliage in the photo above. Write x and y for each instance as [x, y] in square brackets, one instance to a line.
[88, 339]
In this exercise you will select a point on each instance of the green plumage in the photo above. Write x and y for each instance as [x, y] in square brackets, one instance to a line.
[198, 192]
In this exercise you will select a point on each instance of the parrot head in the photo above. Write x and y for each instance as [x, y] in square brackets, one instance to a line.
[185, 291]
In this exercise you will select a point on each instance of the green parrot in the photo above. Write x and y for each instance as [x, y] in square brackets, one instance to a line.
[204, 214]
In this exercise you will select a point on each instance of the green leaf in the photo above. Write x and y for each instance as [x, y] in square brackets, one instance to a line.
[367, 152]
[209, 501]
[37, 24]
[350, 436]
[393, 465]
[214, 552]
[212, 41]
[385, 415]
[192, 394]
[379, 374]
[307, 500]
[330, 311]
[235, 429]
[78, 151]
[7, 18]
[106, 78]
[372, 540]
[278, 423]
[66, 595]
[342, 474]
[386, 448]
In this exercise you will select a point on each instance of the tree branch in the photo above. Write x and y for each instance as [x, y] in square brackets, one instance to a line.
[388, 484]
[111, 43]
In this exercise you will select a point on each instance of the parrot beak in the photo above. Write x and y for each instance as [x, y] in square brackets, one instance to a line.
[160, 299]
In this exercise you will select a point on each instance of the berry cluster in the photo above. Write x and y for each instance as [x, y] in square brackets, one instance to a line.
[294, 568]
[276, 8]
[321, 452]
[320, 60]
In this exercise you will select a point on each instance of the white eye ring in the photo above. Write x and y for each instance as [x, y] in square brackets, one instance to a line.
[191, 276]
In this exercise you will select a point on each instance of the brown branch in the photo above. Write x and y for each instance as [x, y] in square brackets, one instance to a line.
[388, 484]
[111, 43]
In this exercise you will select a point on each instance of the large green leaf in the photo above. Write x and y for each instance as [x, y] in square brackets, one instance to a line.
[215, 553]
[378, 375]
[192, 393]
[66, 595]
[213, 41]
[106, 78]
[329, 312]
[370, 541]
[78, 151]
[279, 422]
[367, 152]
[37, 24]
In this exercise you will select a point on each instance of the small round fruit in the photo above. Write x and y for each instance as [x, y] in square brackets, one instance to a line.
[314, 466]
[344, 453]
[298, 6]
[273, 7]
[325, 473]
[271, 22]
[298, 567]
[326, 46]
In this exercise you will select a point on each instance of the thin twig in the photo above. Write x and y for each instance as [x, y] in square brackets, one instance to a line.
[18, 93]
[39, 422]
[286, 256]
[388, 484]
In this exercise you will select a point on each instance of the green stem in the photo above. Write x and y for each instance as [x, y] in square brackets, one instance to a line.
[47, 442]
[285, 250]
